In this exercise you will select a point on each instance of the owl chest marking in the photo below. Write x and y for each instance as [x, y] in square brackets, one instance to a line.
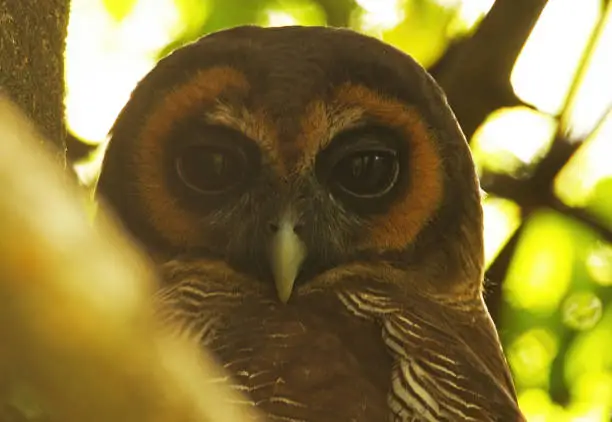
[427, 382]
[330, 355]
[309, 360]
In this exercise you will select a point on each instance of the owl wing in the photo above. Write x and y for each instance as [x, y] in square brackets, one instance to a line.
[448, 362]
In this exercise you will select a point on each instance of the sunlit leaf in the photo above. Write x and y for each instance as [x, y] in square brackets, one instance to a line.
[575, 184]
[119, 9]
[592, 385]
[587, 412]
[279, 18]
[512, 139]
[537, 406]
[599, 264]
[530, 357]
[594, 95]
[379, 15]
[541, 269]
[582, 310]
[414, 26]
[590, 354]
[546, 66]
[293, 12]
[592, 396]
[229, 13]
[501, 219]
[600, 201]
[193, 15]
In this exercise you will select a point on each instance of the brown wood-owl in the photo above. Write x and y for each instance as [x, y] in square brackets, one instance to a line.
[313, 207]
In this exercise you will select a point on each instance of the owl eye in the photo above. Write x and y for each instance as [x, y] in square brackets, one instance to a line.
[366, 174]
[210, 169]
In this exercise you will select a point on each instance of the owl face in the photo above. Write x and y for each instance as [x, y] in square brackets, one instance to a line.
[316, 217]
[287, 152]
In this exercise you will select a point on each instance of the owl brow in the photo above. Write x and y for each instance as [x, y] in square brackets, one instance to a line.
[320, 123]
[230, 115]
[252, 124]
[344, 117]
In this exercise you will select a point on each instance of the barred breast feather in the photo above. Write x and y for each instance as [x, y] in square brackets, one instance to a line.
[348, 354]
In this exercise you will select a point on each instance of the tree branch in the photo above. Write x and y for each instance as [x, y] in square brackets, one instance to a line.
[475, 74]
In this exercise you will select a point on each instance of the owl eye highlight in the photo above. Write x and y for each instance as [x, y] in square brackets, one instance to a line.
[208, 169]
[366, 174]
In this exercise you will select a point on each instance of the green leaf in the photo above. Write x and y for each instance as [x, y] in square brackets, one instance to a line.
[119, 9]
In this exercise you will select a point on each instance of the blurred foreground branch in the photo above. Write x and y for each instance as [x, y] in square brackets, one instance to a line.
[79, 339]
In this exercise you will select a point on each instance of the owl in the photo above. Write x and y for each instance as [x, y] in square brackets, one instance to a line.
[313, 209]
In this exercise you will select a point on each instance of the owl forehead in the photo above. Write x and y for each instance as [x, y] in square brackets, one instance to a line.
[291, 89]
[289, 126]
[289, 137]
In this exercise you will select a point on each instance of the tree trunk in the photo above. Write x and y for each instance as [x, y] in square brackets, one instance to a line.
[32, 41]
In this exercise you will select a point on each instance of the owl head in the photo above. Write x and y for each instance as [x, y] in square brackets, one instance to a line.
[286, 152]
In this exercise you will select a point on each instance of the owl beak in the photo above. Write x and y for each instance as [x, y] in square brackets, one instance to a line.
[287, 252]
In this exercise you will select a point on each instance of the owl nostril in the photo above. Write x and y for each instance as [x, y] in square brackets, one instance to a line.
[298, 228]
[273, 227]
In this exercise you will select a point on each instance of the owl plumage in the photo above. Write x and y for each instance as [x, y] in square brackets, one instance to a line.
[314, 210]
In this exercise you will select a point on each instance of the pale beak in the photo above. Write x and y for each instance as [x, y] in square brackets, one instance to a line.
[287, 253]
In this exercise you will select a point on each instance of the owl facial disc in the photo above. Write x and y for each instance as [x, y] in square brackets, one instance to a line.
[287, 253]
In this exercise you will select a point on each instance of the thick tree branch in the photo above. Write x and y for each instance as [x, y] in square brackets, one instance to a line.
[475, 74]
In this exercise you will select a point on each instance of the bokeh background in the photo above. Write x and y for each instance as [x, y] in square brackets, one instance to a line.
[536, 107]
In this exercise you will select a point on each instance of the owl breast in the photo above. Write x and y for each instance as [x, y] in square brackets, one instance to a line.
[307, 360]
